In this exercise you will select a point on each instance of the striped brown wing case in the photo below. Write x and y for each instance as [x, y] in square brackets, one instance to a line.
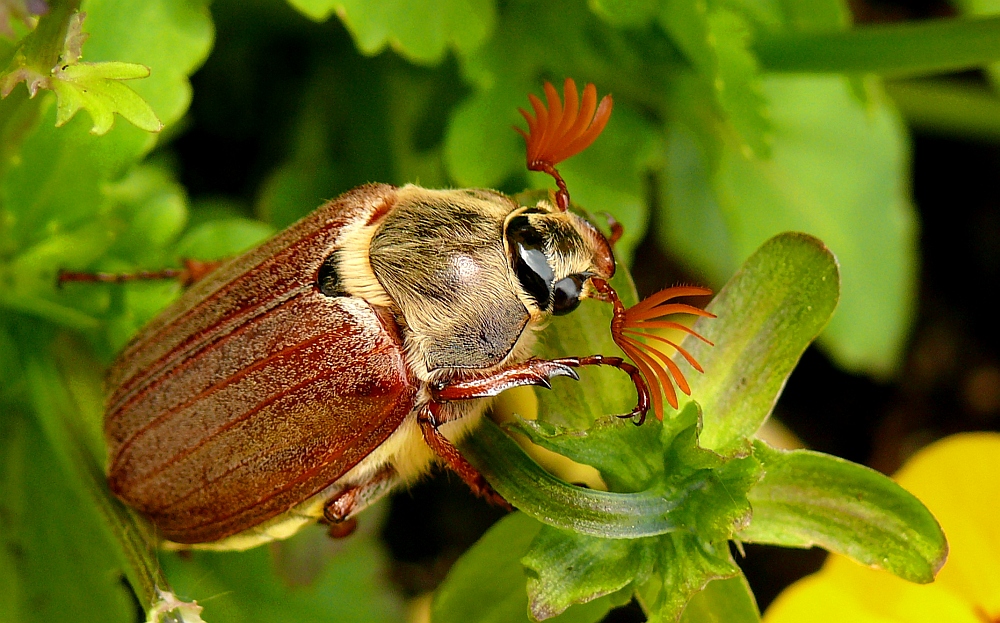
[254, 391]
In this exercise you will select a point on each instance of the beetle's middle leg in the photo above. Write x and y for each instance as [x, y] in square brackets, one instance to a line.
[429, 420]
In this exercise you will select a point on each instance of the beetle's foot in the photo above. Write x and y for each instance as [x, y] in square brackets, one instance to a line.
[341, 529]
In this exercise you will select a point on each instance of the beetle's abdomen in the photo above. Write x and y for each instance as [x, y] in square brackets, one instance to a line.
[252, 424]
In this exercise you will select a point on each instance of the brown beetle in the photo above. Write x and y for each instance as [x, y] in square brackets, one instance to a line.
[306, 378]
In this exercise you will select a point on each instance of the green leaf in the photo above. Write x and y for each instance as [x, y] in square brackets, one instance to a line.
[768, 314]
[566, 568]
[717, 43]
[626, 13]
[723, 601]
[983, 7]
[629, 457]
[351, 587]
[838, 171]
[686, 565]
[96, 88]
[222, 239]
[948, 107]
[911, 48]
[421, 31]
[41, 578]
[481, 150]
[490, 573]
[171, 37]
[807, 498]
[68, 404]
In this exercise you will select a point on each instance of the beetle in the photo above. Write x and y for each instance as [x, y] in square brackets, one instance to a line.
[303, 380]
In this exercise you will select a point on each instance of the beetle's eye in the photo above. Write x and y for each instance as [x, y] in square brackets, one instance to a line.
[529, 261]
[566, 294]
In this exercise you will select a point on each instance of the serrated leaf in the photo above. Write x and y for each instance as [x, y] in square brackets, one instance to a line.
[717, 43]
[686, 564]
[807, 498]
[421, 31]
[95, 88]
[768, 314]
[566, 568]
[490, 573]
[838, 172]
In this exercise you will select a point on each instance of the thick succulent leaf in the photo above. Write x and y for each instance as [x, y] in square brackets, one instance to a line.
[597, 513]
[838, 172]
[807, 498]
[767, 316]
[422, 31]
[629, 457]
[490, 573]
[728, 600]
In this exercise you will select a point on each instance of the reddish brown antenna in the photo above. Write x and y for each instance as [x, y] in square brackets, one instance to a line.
[657, 369]
[556, 133]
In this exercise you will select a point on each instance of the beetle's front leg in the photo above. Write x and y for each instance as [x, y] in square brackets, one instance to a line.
[538, 372]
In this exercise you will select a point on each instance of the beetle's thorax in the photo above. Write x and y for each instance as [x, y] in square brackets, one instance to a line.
[451, 266]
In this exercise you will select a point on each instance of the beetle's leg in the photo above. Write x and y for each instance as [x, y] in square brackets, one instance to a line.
[429, 421]
[538, 372]
[531, 372]
[193, 271]
[339, 510]
[638, 414]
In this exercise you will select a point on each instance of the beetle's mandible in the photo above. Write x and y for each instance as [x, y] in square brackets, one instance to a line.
[306, 378]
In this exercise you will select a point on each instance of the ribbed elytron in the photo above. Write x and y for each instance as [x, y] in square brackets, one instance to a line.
[339, 360]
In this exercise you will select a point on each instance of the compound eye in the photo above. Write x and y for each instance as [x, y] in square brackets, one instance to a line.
[529, 261]
[566, 294]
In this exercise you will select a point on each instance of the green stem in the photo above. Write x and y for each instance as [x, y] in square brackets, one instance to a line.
[905, 49]
[948, 107]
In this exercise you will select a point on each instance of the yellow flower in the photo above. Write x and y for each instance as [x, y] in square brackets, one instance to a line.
[958, 479]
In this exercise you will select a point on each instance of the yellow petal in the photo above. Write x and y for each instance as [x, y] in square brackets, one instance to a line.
[958, 478]
[846, 591]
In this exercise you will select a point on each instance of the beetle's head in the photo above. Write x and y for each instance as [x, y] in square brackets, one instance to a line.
[553, 255]
[559, 258]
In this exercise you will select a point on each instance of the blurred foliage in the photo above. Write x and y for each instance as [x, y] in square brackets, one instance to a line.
[709, 151]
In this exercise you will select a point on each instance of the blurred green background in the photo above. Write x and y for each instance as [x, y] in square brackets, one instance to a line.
[872, 125]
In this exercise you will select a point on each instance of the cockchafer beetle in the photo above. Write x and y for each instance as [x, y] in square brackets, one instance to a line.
[308, 377]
